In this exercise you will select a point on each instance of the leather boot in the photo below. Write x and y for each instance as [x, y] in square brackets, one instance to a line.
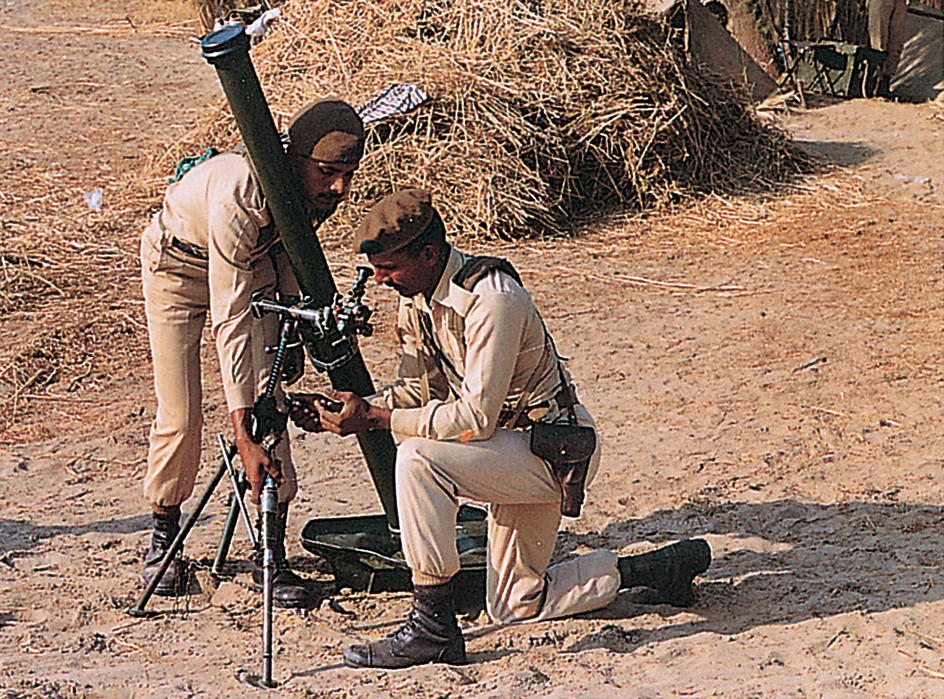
[430, 635]
[174, 581]
[669, 570]
[289, 591]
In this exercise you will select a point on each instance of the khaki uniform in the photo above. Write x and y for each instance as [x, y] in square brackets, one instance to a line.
[208, 250]
[451, 446]
[887, 31]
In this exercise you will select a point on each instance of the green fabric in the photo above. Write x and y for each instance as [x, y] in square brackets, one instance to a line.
[187, 164]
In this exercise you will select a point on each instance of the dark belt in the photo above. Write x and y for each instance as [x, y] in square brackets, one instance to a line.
[272, 247]
[182, 245]
[204, 254]
[189, 248]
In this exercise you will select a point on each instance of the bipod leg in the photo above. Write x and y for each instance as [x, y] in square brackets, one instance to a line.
[139, 609]
[237, 507]
[226, 538]
[269, 507]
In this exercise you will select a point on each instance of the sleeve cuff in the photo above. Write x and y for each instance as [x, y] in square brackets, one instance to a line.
[237, 397]
[405, 421]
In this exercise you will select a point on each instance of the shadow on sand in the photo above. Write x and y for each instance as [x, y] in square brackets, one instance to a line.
[780, 562]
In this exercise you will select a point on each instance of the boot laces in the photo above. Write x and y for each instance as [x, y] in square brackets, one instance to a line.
[413, 629]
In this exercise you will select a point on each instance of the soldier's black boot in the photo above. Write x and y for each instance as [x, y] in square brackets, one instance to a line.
[669, 570]
[289, 591]
[174, 581]
[430, 635]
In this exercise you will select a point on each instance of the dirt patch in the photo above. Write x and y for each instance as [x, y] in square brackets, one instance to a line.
[766, 373]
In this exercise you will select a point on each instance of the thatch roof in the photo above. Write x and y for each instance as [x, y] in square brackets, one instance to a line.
[542, 115]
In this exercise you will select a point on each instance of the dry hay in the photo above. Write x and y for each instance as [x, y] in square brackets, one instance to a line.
[72, 318]
[70, 360]
[542, 116]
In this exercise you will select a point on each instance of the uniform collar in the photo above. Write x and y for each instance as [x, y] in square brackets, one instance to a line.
[446, 293]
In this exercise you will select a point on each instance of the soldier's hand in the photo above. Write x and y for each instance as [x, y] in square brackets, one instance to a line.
[303, 412]
[293, 367]
[257, 463]
[355, 415]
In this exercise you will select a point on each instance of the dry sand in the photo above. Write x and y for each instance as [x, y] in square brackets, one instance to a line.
[766, 374]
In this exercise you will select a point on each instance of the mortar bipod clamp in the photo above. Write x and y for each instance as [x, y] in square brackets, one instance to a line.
[328, 333]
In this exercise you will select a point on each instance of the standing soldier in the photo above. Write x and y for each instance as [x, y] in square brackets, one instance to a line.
[209, 249]
[478, 370]
[887, 34]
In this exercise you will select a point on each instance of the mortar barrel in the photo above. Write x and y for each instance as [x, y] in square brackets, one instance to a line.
[227, 50]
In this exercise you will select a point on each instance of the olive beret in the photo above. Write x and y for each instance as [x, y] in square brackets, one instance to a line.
[394, 221]
[328, 130]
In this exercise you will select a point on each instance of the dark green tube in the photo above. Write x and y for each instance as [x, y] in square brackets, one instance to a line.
[227, 50]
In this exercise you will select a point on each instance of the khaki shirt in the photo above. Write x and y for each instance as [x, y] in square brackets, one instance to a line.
[217, 206]
[493, 337]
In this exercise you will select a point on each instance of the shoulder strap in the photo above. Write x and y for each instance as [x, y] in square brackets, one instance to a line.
[430, 345]
[475, 268]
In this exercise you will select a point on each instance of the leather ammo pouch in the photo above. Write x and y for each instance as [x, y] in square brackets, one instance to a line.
[567, 448]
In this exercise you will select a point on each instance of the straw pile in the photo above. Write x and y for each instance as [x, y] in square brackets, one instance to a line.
[542, 115]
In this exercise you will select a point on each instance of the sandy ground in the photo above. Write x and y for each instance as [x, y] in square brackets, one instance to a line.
[765, 373]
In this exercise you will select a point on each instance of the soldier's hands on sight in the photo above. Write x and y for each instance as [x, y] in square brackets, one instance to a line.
[304, 412]
[257, 463]
[356, 415]
[293, 366]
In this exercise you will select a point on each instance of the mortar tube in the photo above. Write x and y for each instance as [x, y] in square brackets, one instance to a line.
[227, 50]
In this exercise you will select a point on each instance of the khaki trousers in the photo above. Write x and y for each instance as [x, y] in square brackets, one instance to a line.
[887, 31]
[177, 297]
[524, 515]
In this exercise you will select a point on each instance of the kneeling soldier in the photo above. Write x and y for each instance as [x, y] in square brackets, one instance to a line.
[478, 369]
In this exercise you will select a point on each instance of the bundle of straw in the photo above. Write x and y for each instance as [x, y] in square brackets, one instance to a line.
[542, 115]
